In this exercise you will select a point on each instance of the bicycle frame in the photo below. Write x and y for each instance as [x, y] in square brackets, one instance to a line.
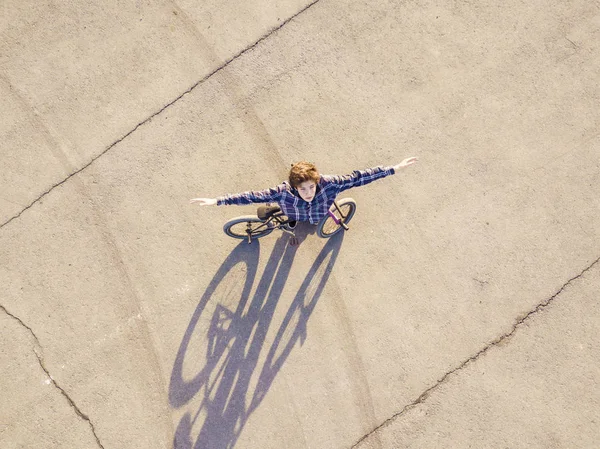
[278, 225]
[276, 221]
[338, 221]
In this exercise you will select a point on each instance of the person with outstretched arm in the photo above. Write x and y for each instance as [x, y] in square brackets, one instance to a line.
[307, 195]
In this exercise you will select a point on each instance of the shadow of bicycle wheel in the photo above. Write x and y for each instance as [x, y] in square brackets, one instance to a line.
[230, 383]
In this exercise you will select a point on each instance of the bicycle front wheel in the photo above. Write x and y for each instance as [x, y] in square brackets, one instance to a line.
[328, 227]
[246, 226]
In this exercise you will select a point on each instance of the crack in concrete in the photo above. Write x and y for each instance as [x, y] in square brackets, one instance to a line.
[423, 396]
[572, 43]
[37, 351]
[147, 120]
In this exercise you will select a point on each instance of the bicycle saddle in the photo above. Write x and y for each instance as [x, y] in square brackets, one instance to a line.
[264, 212]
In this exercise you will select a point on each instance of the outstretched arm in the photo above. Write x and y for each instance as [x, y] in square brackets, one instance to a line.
[259, 196]
[204, 201]
[406, 163]
[363, 177]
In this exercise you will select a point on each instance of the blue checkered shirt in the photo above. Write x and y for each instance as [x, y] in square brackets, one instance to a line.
[294, 207]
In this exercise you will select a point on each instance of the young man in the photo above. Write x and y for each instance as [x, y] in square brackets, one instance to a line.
[307, 195]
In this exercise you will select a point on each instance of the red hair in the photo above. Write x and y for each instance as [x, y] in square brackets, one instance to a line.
[303, 171]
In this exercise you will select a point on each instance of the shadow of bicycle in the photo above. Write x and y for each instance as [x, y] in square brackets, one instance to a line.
[218, 372]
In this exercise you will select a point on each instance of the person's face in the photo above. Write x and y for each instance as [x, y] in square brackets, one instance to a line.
[307, 190]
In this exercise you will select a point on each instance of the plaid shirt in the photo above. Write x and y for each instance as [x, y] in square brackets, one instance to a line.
[294, 207]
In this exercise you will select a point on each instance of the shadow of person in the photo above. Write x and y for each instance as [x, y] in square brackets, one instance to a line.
[234, 341]
[293, 326]
[303, 230]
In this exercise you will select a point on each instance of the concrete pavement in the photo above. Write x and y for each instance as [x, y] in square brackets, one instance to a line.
[460, 310]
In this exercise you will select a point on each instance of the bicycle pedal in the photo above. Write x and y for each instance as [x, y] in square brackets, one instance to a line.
[293, 241]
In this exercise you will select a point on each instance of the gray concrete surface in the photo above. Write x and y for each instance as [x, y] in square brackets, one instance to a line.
[460, 310]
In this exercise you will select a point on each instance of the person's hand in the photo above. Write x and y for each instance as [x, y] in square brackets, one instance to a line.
[406, 163]
[204, 201]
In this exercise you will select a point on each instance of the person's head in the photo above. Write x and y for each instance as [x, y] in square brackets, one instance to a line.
[304, 177]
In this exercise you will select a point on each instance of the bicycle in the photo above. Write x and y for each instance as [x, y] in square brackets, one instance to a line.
[269, 218]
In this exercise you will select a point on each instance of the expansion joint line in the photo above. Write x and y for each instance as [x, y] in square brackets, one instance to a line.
[147, 120]
[38, 353]
[423, 396]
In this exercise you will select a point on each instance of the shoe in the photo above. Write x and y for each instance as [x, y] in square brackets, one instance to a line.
[290, 226]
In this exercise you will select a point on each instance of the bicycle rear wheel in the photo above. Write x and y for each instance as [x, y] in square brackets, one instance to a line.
[328, 227]
[246, 226]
